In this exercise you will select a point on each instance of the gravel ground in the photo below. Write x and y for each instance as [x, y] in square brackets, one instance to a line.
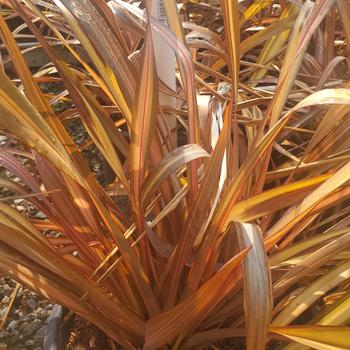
[25, 326]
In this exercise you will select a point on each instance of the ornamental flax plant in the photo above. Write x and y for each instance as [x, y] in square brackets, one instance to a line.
[217, 221]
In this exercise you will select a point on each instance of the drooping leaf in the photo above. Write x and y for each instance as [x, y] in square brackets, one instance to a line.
[258, 300]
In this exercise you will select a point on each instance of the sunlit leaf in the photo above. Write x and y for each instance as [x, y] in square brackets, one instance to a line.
[319, 337]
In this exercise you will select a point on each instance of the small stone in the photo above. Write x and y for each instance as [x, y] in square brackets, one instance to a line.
[12, 283]
[41, 331]
[31, 328]
[24, 318]
[19, 312]
[23, 325]
[20, 208]
[48, 307]
[6, 290]
[12, 325]
[33, 316]
[3, 138]
[38, 310]
[4, 334]
[43, 314]
[40, 215]
[18, 201]
[14, 333]
[3, 345]
[38, 340]
[29, 342]
[32, 303]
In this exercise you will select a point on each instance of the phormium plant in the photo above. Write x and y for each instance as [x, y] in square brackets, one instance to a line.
[237, 238]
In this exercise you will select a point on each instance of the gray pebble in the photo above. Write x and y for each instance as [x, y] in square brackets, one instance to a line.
[32, 303]
[29, 342]
[19, 313]
[33, 295]
[31, 328]
[14, 333]
[20, 208]
[38, 310]
[18, 201]
[12, 325]
[32, 316]
[43, 314]
[40, 215]
[23, 325]
[48, 307]
[4, 334]
[38, 340]
[24, 318]
[6, 290]
[41, 331]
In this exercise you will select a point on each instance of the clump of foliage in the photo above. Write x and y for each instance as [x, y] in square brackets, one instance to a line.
[238, 238]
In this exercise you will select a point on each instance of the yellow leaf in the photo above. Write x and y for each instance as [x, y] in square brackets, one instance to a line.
[318, 337]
